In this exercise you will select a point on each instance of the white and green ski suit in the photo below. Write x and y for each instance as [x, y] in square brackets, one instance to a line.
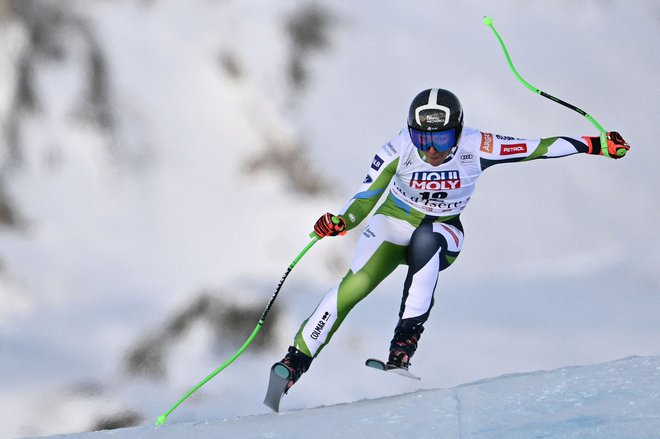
[418, 224]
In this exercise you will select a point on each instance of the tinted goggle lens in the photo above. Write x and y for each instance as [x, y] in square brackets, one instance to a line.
[440, 140]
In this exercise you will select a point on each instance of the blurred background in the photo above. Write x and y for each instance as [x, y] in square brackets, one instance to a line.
[162, 162]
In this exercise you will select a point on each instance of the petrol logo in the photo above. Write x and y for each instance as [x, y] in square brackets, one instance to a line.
[515, 148]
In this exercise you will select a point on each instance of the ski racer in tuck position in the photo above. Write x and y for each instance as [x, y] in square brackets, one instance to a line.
[430, 169]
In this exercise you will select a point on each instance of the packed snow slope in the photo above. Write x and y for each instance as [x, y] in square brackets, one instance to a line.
[618, 400]
[163, 161]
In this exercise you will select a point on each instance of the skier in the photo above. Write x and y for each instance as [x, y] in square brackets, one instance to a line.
[429, 170]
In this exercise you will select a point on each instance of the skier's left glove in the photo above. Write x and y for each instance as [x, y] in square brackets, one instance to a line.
[617, 147]
[330, 225]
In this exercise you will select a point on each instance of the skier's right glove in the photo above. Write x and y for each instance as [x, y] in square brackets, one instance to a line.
[330, 225]
[617, 147]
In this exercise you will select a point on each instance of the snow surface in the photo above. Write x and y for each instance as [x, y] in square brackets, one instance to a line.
[124, 230]
[619, 399]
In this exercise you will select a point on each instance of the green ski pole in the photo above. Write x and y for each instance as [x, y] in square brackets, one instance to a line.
[162, 419]
[488, 21]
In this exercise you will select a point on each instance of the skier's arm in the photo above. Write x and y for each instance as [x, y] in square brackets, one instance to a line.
[496, 149]
[376, 182]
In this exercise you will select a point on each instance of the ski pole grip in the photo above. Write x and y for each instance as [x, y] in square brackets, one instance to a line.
[603, 144]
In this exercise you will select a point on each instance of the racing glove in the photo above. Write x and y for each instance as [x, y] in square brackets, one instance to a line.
[617, 147]
[330, 225]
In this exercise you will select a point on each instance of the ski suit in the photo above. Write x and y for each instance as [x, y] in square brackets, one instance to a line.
[418, 223]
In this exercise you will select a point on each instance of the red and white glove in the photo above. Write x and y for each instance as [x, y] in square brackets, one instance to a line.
[330, 225]
[617, 147]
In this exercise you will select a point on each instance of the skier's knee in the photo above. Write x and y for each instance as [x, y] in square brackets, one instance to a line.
[424, 243]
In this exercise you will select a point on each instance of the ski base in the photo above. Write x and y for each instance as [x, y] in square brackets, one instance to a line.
[381, 365]
[279, 378]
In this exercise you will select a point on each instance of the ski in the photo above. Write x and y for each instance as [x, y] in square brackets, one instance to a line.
[279, 379]
[381, 365]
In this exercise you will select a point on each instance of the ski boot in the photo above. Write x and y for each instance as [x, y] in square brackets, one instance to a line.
[297, 364]
[284, 374]
[402, 348]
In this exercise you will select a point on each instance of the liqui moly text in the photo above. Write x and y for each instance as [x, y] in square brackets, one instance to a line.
[435, 181]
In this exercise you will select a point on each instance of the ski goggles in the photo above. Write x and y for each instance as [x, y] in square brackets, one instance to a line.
[440, 140]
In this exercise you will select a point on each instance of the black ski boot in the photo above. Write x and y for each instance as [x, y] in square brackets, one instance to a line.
[403, 347]
[284, 374]
[297, 363]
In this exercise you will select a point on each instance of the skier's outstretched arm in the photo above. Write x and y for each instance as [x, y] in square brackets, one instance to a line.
[498, 149]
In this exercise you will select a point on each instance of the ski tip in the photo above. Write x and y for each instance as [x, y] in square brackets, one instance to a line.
[281, 371]
[376, 364]
[277, 386]
[488, 21]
